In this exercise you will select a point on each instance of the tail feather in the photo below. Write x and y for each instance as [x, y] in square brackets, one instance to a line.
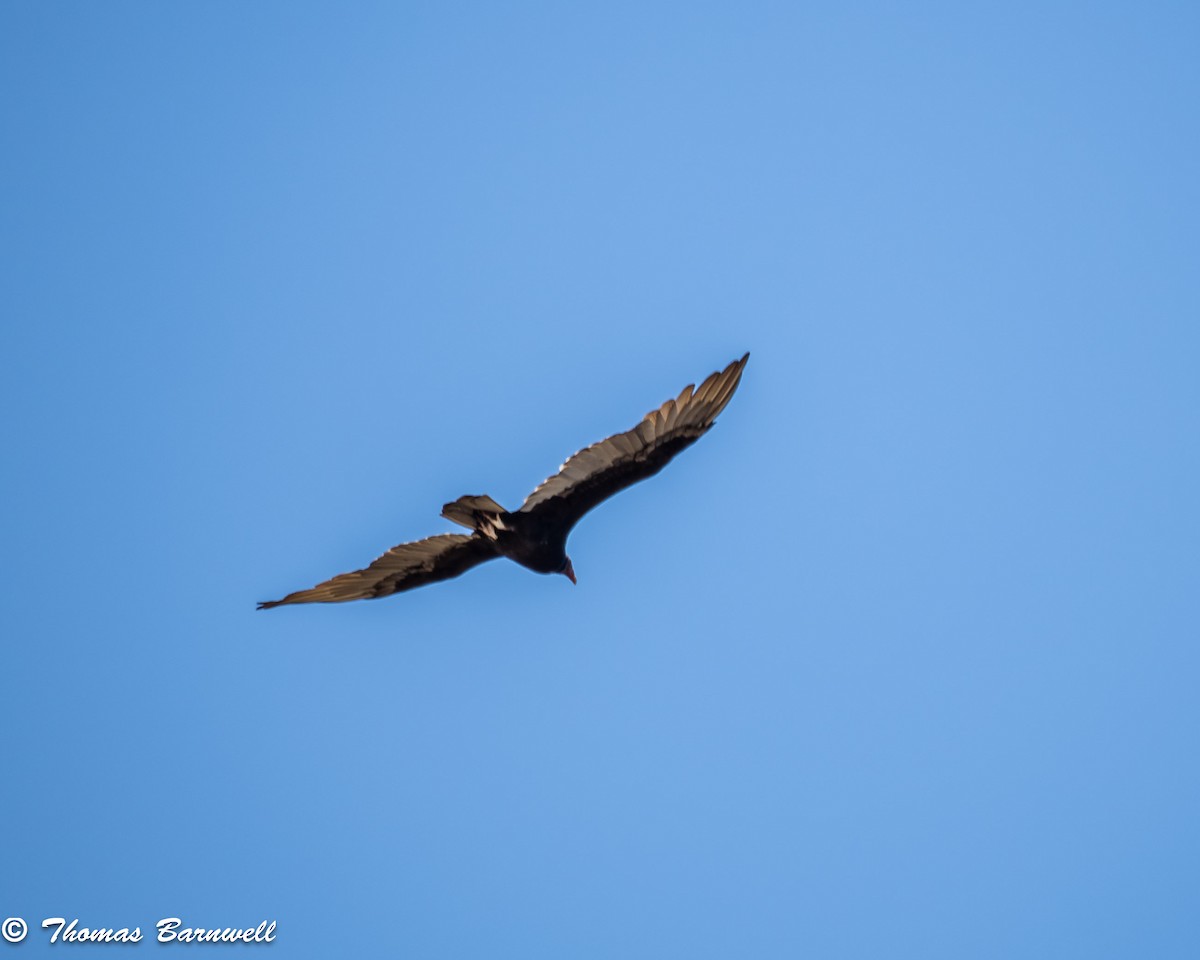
[473, 511]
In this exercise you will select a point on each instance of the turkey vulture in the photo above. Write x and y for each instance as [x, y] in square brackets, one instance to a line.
[535, 536]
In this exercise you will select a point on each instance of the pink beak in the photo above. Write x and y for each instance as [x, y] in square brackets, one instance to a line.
[569, 572]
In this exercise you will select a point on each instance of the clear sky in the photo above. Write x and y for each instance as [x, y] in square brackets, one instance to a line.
[899, 661]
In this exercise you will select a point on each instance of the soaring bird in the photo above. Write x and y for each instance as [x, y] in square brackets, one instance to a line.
[535, 535]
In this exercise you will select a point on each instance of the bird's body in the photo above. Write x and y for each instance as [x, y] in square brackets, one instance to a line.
[523, 537]
[535, 535]
[533, 545]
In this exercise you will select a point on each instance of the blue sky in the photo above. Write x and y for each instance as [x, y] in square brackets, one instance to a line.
[899, 661]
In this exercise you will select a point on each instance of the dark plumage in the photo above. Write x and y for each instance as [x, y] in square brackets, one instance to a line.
[535, 536]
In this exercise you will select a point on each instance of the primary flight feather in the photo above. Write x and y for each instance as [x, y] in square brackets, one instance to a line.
[535, 535]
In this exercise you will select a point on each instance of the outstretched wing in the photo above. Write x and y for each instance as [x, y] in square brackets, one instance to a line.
[401, 568]
[597, 472]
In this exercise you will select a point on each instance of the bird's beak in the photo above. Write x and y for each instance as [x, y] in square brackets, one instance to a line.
[570, 573]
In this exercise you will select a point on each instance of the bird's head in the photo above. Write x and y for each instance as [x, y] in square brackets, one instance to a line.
[568, 571]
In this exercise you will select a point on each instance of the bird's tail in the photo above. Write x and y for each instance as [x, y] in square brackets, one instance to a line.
[480, 513]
